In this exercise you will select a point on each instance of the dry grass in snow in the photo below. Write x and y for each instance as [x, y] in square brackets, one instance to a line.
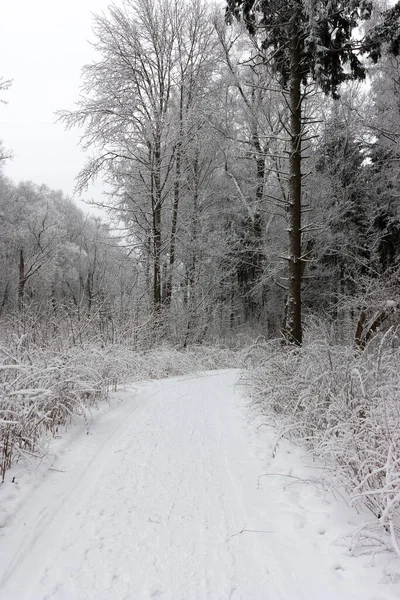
[344, 405]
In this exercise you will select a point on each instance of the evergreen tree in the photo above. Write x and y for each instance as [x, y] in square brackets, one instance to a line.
[306, 40]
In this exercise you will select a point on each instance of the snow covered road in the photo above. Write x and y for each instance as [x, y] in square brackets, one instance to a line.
[162, 500]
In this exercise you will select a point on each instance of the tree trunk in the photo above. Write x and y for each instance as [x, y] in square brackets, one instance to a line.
[22, 278]
[157, 258]
[191, 270]
[293, 325]
[5, 298]
[257, 258]
[157, 227]
[175, 207]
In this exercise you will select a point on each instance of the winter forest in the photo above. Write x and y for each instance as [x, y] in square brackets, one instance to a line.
[249, 158]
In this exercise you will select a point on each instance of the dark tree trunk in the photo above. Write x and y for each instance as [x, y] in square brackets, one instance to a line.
[258, 221]
[157, 258]
[22, 278]
[5, 298]
[191, 269]
[157, 202]
[293, 326]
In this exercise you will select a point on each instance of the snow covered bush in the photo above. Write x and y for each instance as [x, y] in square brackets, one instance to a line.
[39, 392]
[344, 405]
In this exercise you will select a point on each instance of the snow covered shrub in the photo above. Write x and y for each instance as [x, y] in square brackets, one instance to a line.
[39, 392]
[345, 406]
[168, 362]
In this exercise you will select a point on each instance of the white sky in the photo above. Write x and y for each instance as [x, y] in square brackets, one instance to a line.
[43, 45]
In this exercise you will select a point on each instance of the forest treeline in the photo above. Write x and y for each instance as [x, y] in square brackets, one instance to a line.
[188, 125]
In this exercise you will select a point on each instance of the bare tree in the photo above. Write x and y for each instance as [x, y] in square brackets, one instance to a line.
[144, 106]
[125, 117]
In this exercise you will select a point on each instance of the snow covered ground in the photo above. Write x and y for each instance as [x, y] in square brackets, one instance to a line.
[163, 499]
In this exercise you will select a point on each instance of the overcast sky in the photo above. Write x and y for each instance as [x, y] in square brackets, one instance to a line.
[43, 45]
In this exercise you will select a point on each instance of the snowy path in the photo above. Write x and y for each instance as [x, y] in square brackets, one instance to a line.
[161, 500]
